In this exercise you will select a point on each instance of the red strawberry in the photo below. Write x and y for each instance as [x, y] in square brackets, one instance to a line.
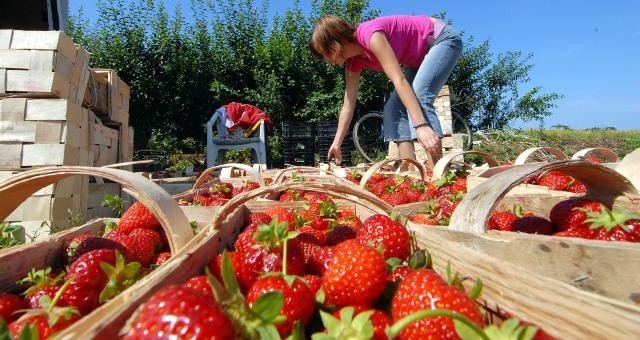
[555, 180]
[88, 280]
[314, 282]
[201, 284]
[340, 234]
[356, 275]
[257, 218]
[138, 216]
[349, 218]
[299, 301]
[424, 289]
[208, 199]
[245, 240]
[395, 197]
[311, 235]
[40, 283]
[379, 319]
[162, 258]
[592, 159]
[140, 245]
[613, 225]
[501, 220]
[423, 218]
[92, 243]
[282, 215]
[290, 196]
[70, 246]
[10, 304]
[43, 325]
[382, 230]
[180, 312]
[572, 212]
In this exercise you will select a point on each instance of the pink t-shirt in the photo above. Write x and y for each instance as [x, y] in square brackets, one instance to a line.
[407, 36]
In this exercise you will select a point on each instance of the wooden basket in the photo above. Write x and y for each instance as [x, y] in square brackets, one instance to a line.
[17, 261]
[601, 267]
[203, 215]
[106, 323]
[560, 309]
[457, 159]
[630, 167]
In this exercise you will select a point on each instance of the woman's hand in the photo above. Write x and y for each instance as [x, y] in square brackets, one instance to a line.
[335, 151]
[430, 142]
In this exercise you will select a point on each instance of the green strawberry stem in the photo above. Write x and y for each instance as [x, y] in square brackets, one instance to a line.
[395, 329]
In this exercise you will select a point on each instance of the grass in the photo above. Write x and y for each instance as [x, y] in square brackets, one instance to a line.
[508, 144]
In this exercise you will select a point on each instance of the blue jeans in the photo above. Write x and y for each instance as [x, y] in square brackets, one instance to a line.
[426, 81]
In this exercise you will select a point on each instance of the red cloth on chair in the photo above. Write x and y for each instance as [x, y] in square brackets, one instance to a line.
[244, 115]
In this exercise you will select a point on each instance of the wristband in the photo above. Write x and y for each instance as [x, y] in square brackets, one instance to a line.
[421, 125]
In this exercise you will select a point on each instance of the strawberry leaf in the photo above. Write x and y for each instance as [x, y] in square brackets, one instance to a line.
[268, 306]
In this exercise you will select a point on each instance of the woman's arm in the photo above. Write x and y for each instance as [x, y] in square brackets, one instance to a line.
[352, 80]
[381, 48]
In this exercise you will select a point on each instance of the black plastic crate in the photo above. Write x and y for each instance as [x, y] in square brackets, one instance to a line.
[291, 129]
[327, 128]
[293, 158]
[300, 145]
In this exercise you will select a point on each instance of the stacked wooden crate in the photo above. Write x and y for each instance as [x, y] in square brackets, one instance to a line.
[43, 80]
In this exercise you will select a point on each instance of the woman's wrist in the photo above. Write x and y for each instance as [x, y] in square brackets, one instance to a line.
[423, 124]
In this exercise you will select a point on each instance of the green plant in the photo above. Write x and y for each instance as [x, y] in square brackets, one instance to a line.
[11, 235]
[115, 202]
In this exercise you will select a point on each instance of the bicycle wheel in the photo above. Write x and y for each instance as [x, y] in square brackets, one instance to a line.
[368, 137]
[460, 127]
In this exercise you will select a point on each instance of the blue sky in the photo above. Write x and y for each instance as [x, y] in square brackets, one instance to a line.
[587, 51]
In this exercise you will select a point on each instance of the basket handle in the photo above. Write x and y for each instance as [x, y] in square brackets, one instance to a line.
[18, 188]
[524, 156]
[629, 167]
[350, 193]
[445, 162]
[608, 154]
[474, 210]
[205, 174]
[328, 174]
[377, 166]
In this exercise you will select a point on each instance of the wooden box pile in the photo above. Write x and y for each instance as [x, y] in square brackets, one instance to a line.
[44, 121]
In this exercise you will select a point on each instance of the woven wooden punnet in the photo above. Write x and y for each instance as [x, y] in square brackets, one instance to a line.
[560, 309]
[203, 215]
[600, 267]
[16, 262]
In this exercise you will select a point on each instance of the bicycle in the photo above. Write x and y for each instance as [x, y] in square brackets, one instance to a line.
[368, 135]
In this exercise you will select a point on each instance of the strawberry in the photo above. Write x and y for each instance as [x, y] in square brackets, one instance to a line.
[356, 275]
[180, 312]
[354, 176]
[245, 240]
[425, 289]
[577, 187]
[309, 234]
[43, 326]
[299, 301]
[423, 218]
[257, 218]
[71, 245]
[349, 218]
[140, 245]
[555, 180]
[10, 305]
[282, 215]
[572, 212]
[138, 216]
[201, 284]
[592, 159]
[317, 259]
[314, 282]
[161, 258]
[91, 243]
[340, 234]
[208, 199]
[533, 225]
[290, 196]
[501, 220]
[88, 280]
[379, 319]
[613, 225]
[395, 197]
[40, 283]
[382, 230]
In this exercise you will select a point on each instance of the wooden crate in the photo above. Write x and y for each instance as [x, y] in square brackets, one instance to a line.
[96, 95]
[41, 132]
[42, 63]
[118, 102]
[96, 193]
[105, 142]
[560, 309]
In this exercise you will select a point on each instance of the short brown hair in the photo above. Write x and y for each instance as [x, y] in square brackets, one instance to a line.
[329, 32]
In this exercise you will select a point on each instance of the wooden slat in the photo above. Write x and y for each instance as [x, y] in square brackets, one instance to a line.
[17, 131]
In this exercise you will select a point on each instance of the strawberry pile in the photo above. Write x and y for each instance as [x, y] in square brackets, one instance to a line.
[217, 192]
[574, 217]
[95, 269]
[287, 275]
[558, 180]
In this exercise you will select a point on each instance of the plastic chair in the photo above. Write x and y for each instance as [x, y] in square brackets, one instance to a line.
[218, 140]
